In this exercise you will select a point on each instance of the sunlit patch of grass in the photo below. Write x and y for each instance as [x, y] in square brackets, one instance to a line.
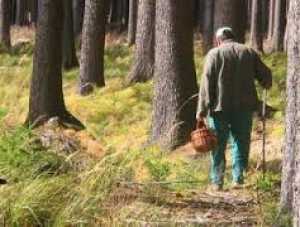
[116, 115]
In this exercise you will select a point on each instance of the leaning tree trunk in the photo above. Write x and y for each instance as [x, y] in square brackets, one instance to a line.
[256, 34]
[279, 25]
[175, 85]
[92, 49]
[290, 189]
[5, 23]
[133, 12]
[142, 69]
[232, 13]
[69, 52]
[46, 95]
[208, 27]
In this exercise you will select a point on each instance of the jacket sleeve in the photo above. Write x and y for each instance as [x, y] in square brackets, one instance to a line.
[207, 86]
[262, 73]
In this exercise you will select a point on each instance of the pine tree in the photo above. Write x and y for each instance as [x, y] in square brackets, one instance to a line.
[46, 95]
[174, 107]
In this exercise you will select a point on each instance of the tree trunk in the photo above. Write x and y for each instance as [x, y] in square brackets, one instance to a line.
[92, 49]
[132, 24]
[46, 95]
[125, 14]
[69, 52]
[174, 107]
[13, 8]
[142, 69]
[5, 23]
[279, 25]
[199, 14]
[208, 28]
[271, 19]
[33, 11]
[111, 15]
[22, 12]
[249, 14]
[256, 36]
[232, 13]
[285, 43]
[78, 13]
[264, 17]
[290, 189]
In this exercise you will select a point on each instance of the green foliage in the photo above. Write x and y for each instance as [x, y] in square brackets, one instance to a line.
[278, 64]
[42, 189]
[21, 158]
[117, 61]
[96, 184]
[192, 174]
[35, 202]
[159, 168]
[3, 112]
[268, 183]
[273, 217]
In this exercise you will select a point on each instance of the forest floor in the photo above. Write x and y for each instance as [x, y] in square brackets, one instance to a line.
[106, 174]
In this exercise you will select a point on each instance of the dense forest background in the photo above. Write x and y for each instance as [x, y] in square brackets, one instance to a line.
[108, 93]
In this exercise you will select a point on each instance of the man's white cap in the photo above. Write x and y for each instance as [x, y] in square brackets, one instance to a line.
[220, 31]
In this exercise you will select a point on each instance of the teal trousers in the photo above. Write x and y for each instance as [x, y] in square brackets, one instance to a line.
[237, 127]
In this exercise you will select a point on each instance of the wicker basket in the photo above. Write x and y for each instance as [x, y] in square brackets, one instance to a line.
[202, 139]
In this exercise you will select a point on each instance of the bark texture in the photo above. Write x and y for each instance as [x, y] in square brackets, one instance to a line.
[46, 95]
[142, 69]
[290, 189]
[271, 19]
[92, 49]
[132, 23]
[174, 107]
[232, 13]
[78, 13]
[33, 8]
[208, 27]
[69, 52]
[279, 25]
[5, 23]
[22, 12]
[256, 34]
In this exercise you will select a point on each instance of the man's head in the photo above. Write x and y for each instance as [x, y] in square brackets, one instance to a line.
[223, 34]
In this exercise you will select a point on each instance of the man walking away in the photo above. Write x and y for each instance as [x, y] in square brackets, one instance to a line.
[228, 98]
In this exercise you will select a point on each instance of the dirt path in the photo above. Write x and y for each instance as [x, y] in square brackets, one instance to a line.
[191, 209]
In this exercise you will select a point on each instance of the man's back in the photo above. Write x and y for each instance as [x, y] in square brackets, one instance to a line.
[228, 81]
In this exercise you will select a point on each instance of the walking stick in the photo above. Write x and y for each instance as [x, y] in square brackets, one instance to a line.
[264, 132]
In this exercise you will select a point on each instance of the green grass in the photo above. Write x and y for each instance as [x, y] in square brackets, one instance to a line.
[43, 187]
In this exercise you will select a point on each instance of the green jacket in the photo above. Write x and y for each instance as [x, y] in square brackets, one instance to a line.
[228, 80]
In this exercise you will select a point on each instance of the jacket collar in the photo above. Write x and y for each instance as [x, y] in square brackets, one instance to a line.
[227, 41]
